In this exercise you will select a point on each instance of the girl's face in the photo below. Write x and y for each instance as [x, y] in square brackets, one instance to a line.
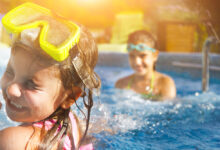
[142, 61]
[32, 90]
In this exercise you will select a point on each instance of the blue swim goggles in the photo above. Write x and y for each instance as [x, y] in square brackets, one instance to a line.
[139, 47]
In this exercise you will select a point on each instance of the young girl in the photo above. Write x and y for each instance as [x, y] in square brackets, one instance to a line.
[146, 80]
[50, 67]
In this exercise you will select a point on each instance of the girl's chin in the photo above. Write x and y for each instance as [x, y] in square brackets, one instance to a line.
[141, 72]
[21, 120]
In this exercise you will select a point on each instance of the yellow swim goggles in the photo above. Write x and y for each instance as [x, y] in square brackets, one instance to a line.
[29, 15]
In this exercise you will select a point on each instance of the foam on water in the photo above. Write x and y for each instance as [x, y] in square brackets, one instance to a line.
[189, 122]
[140, 124]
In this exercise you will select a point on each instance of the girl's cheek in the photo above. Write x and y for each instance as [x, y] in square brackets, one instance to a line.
[4, 81]
[32, 98]
[148, 61]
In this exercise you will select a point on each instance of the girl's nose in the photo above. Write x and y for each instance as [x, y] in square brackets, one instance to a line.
[138, 61]
[13, 90]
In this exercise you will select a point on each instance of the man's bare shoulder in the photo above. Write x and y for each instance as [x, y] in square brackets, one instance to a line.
[123, 82]
[14, 138]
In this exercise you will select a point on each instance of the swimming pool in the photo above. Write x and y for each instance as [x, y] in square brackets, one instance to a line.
[192, 121]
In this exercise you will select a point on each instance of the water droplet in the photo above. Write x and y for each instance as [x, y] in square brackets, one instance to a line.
[196, 94]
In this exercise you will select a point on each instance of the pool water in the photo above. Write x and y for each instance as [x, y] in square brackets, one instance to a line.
[192, 121]
[123, 120]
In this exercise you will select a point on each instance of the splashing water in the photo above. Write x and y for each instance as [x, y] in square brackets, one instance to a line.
[191, 121]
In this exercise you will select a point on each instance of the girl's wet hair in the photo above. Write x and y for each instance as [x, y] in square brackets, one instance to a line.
[142, 36]
[87, 52]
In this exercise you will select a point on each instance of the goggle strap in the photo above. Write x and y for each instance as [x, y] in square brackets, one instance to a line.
[139, 47]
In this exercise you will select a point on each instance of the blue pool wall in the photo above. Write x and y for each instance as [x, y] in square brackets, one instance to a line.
[190, 63]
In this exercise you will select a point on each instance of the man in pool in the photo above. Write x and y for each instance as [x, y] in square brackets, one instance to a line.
[145, 79]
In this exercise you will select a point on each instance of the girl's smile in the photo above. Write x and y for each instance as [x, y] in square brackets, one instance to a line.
[141, 62]
[14, 106]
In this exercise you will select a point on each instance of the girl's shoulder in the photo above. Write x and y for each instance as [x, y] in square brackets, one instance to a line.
[123, 82]
[163, 78]
[14, 138]
[166, 86]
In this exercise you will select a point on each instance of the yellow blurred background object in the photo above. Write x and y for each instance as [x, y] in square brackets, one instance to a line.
[126, 23]
[122, 48]
[4, 36]
[111, 21]
[176, 36]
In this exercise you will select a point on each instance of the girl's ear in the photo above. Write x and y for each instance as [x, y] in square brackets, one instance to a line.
[73, 95]
[155, 54]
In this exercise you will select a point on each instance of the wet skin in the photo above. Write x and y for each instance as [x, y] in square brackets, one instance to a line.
[32, 90]
[142, 62]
